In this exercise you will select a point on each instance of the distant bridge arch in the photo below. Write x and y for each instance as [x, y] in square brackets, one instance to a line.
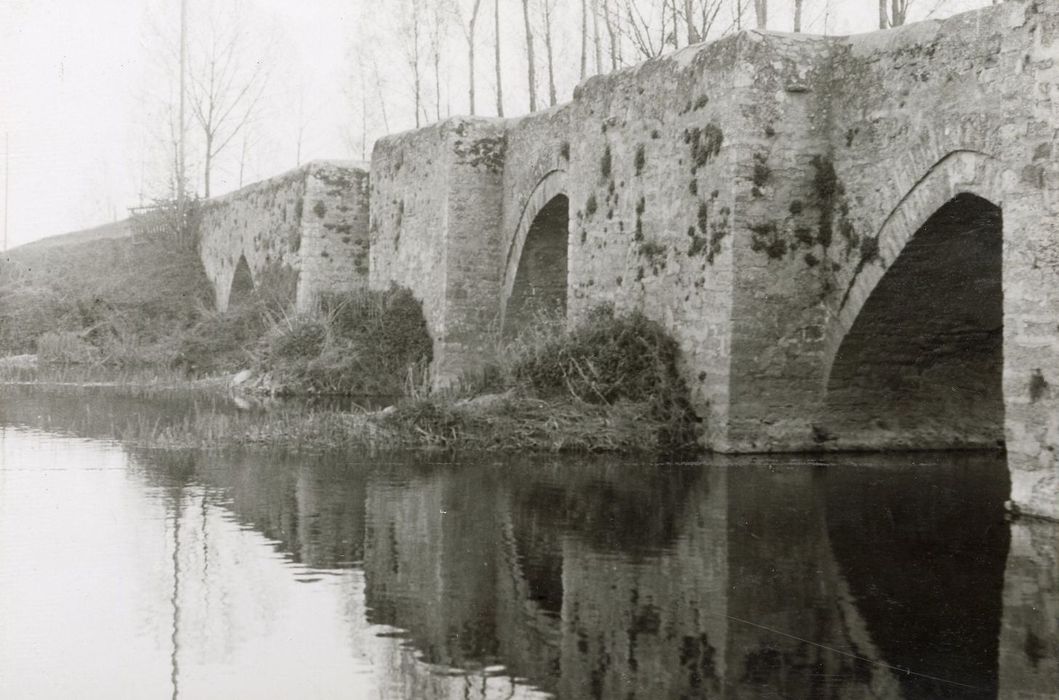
[242, 286]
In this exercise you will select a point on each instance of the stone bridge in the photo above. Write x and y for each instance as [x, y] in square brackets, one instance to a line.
[296, 235]
[853, 239]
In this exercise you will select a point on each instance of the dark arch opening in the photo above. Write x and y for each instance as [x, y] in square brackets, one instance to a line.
[922, 365]
[242, 284]
[540, 281]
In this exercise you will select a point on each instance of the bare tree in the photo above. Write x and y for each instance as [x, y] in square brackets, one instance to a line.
[530, 60]
[410, 30]
[306, 115]
[548, 8]
[693, 35]
[674, 36]
[225, 87]
[496, 44]
[595, 37]
[761, 13]
[610, 22]
[468, 27]
[640, 29]
[704, 16]
[898, 13]
[584, 36]
[438, 33]
[652, 26]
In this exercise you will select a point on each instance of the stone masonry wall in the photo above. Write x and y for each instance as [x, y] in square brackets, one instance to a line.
[301, 233]
[435, 213]
[334, 226]
[904, 122]
[750, 194]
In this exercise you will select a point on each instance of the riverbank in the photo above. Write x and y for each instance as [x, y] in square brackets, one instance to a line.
[135, 316]
[608, 385]
[219, 418]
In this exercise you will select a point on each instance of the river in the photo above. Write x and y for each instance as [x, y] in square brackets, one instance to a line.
[139, 573]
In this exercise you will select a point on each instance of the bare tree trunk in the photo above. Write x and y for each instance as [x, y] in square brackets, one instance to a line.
[499, 80]
[416, 80]
[437, 84]
[693, 34]
[380, 95]
[206, 168]
[797, 16]
[242, 161]
[181, 161]
[899, 8]
[470, 52]
[363, 119]
[530, 60]
[595, 36]
[761, 13]
[584, 35]
[615, 46]
[548, 50]
[676, 24]
[884, 22]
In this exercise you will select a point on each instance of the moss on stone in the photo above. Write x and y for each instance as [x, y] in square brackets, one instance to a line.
[766, 239]
[705, 144]
[1038, 386]
[591, 205]
[761, 172]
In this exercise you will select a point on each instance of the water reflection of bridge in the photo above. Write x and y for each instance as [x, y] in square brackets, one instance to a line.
[609, 580]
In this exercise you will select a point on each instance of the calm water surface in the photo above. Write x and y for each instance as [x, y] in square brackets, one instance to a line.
[147, 574]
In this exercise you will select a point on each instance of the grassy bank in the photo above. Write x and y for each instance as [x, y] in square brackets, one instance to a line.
[143, 304]
[109, 302]
[610, 384]
[138, 312]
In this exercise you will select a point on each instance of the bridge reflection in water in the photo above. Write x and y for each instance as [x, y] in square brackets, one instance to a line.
[388, 575]
[864, 577]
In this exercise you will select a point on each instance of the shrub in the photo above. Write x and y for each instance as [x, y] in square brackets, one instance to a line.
[300, 339]
[609, 359]
[363, 342]
[222, 341]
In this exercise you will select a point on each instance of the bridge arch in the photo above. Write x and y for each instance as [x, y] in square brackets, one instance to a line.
[536, 264]
[242, 287]
[914, 353]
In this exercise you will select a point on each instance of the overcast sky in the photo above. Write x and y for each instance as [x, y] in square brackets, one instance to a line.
[77, 78]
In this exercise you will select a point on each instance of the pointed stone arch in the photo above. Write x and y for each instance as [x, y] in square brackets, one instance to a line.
[914, 356]
[242, 286]
[544, 227]
[959, 172]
